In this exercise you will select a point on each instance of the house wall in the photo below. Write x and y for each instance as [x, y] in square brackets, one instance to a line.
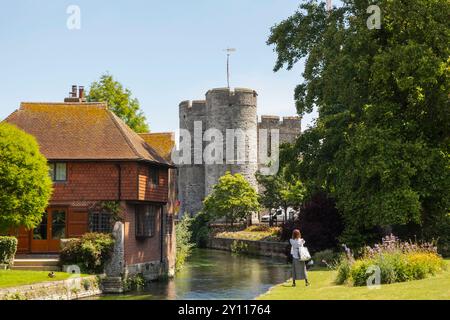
[100, 181]
[148, 192]
[140, 250]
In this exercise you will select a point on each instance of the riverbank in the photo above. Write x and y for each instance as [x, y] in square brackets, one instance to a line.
[323, 288]
[250, 247]
[257, 240]
[37, 285]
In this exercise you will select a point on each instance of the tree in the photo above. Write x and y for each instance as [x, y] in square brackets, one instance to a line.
[280, 191]
[380, 145]
[319, 223]
[232, 198]
[25, 185]
[119, 101]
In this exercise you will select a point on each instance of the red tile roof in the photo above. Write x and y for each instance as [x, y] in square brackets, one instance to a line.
[82, 131]
[162, 142]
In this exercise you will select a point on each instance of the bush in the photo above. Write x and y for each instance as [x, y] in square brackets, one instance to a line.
[326, 258]
[239, 247]
[200, 230]
[319, 223]
[184, 244]
[90, 252]
[397, 262]
[8, 248]
[343, 271]
[25, 184]
[135, 282]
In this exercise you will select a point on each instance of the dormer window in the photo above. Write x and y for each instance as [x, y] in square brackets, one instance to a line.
[58, 171]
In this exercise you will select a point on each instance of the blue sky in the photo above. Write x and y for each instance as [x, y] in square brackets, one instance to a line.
[164, 51]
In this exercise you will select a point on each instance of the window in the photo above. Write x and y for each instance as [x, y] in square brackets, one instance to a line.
[153, 176]
[58, 171]
[146, 220]
[100, 221]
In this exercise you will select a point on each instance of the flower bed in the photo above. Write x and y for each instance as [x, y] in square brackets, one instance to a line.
[395, 261]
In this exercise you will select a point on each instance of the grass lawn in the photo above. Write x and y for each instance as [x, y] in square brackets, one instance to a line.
[252, 233]
[13, 278]
[323, 288]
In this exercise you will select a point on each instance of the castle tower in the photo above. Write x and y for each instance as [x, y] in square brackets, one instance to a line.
[231, 116]
[233, 109]
[191, 177]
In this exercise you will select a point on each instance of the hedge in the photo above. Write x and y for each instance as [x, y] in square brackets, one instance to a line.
[8, 248]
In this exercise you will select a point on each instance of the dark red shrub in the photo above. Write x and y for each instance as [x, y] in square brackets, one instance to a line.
[319, 223]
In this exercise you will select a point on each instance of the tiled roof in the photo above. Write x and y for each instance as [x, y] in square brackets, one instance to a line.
[162, 142]
[81, 131]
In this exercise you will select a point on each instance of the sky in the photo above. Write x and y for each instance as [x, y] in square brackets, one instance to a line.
[163, 51]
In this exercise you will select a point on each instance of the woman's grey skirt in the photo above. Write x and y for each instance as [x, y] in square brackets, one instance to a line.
[298, 269]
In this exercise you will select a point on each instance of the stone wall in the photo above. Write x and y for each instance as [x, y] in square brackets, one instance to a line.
[258, 248]
[70, 289]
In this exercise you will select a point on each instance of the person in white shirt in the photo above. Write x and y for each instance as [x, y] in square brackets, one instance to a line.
[298, 267]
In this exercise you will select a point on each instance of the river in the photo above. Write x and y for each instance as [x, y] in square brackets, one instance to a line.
[217, 275]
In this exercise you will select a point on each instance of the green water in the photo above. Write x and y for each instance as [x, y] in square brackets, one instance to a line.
[212, 274]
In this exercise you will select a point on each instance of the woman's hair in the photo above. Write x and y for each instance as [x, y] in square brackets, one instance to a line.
[296, 234]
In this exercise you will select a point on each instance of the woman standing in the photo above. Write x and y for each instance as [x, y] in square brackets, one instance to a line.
[298, 267]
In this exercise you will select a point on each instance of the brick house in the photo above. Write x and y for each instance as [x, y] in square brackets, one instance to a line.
[96, 160]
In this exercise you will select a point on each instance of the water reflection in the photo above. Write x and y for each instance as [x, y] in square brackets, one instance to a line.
[212, 274]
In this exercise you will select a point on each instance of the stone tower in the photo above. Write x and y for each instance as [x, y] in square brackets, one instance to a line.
[227, 110]
[232, 115]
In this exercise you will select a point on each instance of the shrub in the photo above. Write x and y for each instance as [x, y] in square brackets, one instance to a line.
[319, 222]
[90, 252]
[135, 282]
[326, 258]
[397, 262]
[184, 244]
[200, 230]
[239, 247]
[8, 248]
[343, 271]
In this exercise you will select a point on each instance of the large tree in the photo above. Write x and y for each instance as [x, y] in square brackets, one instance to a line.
[280, 190]
[232, 198]
[381, 142]
[25, 185]
[120, 101]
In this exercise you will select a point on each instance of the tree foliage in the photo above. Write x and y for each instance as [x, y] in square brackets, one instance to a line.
[25, 185]
[120, 101]
[381, 142]
[232, 198]
[319, 222]
[280, 190]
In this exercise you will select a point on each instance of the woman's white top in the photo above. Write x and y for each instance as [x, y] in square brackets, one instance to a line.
[295, 245]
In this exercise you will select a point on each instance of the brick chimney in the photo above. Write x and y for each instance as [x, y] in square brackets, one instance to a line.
[76, 95]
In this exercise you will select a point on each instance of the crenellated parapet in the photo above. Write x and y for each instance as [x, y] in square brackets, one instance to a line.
[289, 127]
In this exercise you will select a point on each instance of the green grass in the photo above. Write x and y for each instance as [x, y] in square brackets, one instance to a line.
[323, 288]
[251, 233]
[14, 278]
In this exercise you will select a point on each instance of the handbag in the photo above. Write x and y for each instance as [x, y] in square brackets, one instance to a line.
[303, 254]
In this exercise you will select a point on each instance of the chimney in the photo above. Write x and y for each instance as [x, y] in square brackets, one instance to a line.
[76, 95]
[81, 93]
[73, 94]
